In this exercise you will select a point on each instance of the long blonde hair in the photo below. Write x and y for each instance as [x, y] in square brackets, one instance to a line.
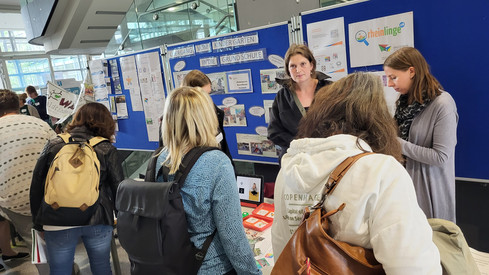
[353, 105]
[189, 121]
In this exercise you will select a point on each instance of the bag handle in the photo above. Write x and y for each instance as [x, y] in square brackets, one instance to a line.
[336, 176]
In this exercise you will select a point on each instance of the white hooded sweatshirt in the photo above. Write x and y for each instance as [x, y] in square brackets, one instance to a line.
[381, 210]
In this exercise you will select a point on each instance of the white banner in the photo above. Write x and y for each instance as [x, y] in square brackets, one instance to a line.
[61, 103]
[372, 41]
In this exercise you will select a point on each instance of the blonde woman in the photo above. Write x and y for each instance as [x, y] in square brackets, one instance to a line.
[349, 117]
[210, 195]
[196, 78]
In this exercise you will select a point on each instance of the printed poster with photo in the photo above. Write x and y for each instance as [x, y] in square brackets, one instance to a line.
[219, 84]
[327, 42]
[178, 78]
[268, 83]
[255, 145]
[234, 115]
[372, 41]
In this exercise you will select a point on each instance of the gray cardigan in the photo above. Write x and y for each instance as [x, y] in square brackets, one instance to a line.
[430, 153]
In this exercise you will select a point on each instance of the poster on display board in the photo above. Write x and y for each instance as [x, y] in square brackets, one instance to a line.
[139, 101]
[326, 39]
[152, 91]
[372, 41]
[242, 66]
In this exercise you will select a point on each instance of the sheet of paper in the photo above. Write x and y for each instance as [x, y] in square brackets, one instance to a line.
[131, 83]
[327, 42]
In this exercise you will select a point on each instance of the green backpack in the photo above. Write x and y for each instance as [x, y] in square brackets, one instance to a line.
[72, 184]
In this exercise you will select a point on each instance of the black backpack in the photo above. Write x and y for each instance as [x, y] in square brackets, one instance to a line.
[151, 222]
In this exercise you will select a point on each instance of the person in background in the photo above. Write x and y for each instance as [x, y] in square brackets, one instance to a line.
[92, 119]
[23, 138]
[427, 119]
[210, 194]
[8, 253]
[347, 118]
[26, 109]
[196, 78]
[295, 96]
[38, 101]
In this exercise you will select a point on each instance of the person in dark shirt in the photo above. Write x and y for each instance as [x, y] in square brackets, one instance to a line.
[27, 109]
[38, 101]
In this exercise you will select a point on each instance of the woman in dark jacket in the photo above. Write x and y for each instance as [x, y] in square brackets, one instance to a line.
[297, 93]
[92, 119]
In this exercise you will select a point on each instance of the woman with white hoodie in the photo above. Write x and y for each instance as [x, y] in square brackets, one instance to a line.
[347, 118]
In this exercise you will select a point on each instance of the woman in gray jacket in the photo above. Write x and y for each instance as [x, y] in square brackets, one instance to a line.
[427, 119]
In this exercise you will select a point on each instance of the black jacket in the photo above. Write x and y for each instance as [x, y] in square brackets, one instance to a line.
[285, 115]
[111, 175]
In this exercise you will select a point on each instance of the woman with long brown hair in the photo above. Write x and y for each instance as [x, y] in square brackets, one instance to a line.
[91, 120]
[295, 96]
[347, 118]
[427, 119]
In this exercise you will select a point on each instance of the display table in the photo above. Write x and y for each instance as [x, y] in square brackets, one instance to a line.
[261, 244]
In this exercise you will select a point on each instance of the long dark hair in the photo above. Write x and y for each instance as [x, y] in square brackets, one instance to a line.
[423, 80]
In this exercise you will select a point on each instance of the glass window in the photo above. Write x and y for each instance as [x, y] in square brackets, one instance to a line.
[65, 62]
[68, 74]
[19, 33]
[21, 45]
[15, 82]
[39, 80]
[12, 67]
[6, 45]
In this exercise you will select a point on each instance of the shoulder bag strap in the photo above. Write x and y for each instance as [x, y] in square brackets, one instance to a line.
[336, 176]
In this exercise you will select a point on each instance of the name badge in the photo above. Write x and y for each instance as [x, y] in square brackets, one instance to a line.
[219, 137]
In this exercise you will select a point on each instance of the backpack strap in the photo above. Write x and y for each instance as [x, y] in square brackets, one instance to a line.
[188, 162]
[96, 140]
[336, 176]
[65, 137]
[150, 171]
[93, 141]
[200, 255]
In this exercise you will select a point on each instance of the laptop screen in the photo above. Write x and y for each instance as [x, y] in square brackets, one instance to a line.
[250, 188]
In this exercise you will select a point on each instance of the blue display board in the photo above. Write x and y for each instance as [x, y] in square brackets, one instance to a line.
[240, 57]
[452, 37]
[132, 134]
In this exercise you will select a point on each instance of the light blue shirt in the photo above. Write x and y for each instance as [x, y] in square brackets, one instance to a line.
[211, 200]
